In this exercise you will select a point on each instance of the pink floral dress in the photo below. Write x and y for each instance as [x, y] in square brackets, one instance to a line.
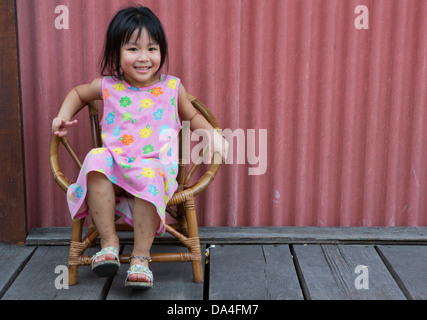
[140, 147]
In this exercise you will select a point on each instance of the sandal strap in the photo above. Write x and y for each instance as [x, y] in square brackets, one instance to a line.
[107, 250]
[139, 269]
[141, 258]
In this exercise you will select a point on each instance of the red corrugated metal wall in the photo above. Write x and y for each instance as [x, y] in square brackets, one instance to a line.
[343, 107]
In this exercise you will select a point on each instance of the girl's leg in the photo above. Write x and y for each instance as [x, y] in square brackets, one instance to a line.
[145, 223]
[102, 201]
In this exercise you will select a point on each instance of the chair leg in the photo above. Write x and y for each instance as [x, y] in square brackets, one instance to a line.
[181, 220]
[197, 270]
[193, 234]
[76, 240]
[73, 272]
[91, 229]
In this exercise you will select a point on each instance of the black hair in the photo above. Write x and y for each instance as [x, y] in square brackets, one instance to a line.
[120, 30]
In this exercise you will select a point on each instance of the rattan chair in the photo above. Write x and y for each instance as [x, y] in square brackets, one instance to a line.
[185, 230]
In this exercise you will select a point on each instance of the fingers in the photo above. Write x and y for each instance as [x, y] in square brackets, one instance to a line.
[60, 134]
[60, 126]
[68, 124]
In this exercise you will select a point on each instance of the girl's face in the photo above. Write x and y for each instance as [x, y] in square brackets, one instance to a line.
[140, 60]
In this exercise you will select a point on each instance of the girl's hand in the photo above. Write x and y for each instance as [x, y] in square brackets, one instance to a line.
[60, 126]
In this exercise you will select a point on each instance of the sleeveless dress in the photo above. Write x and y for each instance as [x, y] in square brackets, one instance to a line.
[140, 147]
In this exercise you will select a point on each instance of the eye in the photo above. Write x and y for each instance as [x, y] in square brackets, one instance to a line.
[133, 49]
[152, 49]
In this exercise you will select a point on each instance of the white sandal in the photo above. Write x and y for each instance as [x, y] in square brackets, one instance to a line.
[139, 269]
[106, 268]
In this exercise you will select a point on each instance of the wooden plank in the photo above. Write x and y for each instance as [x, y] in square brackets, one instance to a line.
[302, 235]
[12, 195]
[172, 280]
[408, 264]
[252, 272]
[329, 272]
[37, 279]
[62, 236]
[12, 260]
[263, 235]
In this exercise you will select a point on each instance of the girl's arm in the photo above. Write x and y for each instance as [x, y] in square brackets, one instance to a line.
[187, 112]
[74, 101]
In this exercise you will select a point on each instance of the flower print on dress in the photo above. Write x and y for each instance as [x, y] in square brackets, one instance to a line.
[146, 132]
[118, 150]
[158, 114]
[147, 173]
[106, 94]
[110, 117]
[172, 83]
[127, 139]
[162, 211]
[125, 166]
[70, 196]
[160, 172]
[110, 161]
[157, 91]
[127, 116]
[116, 131]
[119, 86]
[97, 151]
[146, 103]
[125, 101]
[112, 178]
[79, 191]
[148, 148]
[153, 190]
[164, 127]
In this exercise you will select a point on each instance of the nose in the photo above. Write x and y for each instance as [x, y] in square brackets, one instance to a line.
[142, 56]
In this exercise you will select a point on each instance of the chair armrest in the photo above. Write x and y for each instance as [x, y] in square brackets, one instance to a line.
[59, 177]
[208, 176]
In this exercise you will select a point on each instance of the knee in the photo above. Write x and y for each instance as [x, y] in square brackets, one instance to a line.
[97, 178]
[144, 206]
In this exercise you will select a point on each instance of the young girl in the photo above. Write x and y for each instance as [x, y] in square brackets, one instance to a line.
[139, 157]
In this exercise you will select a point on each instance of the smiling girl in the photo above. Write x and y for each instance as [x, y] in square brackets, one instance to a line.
[138, 161]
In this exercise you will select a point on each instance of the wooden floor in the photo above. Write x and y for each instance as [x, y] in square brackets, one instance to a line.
[352, 267]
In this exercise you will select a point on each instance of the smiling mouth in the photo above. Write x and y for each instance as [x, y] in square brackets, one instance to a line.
[142, 69]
